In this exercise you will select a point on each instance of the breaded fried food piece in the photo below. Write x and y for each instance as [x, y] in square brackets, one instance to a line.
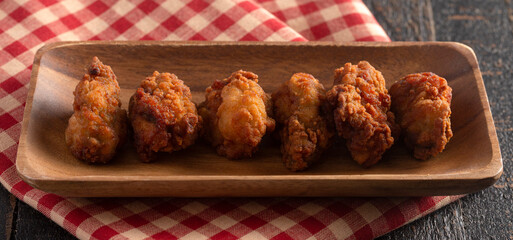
[98, 126]
[163, 116]
[361, 111]
[301, 110]
[422, 104]
[235, 112]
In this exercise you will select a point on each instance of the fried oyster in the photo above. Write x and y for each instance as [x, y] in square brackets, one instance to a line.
[301, 111]
[98, 126]
[163, 116]
[422, 104]
[361, 111]
[236, 115]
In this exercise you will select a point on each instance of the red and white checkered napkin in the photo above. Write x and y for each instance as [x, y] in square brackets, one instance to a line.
[26, 25]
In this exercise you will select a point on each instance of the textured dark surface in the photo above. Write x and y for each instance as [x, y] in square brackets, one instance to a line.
[7, 207]
[31, 224]
[487, 27]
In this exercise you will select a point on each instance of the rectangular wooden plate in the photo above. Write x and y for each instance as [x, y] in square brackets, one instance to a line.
[470, 162]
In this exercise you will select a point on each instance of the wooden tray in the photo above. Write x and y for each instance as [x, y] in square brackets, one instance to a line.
[471, 161]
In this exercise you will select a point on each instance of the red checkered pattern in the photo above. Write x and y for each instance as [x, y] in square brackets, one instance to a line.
[26, 25]
[329, 20]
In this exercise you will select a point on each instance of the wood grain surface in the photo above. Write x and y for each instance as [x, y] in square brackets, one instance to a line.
[486, 26]
[45, 162]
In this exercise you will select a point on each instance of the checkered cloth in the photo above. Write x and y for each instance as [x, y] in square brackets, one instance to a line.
[26, 25]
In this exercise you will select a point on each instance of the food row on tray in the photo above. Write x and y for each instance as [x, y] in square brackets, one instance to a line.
[237, 113]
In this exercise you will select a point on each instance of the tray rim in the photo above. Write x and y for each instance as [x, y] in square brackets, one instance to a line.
[485, 175]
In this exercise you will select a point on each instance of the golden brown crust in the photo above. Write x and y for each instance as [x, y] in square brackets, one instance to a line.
[98, 125]
[422, 104]
[361, 111]
[300, 109]
[163, 116]
[235, 113]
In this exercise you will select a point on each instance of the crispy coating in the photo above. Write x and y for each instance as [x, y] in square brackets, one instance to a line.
[163, 116]
[361, 111]
[235, 113]
[422, 104]
[300, 110]
[98, 126]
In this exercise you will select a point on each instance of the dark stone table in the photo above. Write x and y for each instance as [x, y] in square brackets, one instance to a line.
[487, 27]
